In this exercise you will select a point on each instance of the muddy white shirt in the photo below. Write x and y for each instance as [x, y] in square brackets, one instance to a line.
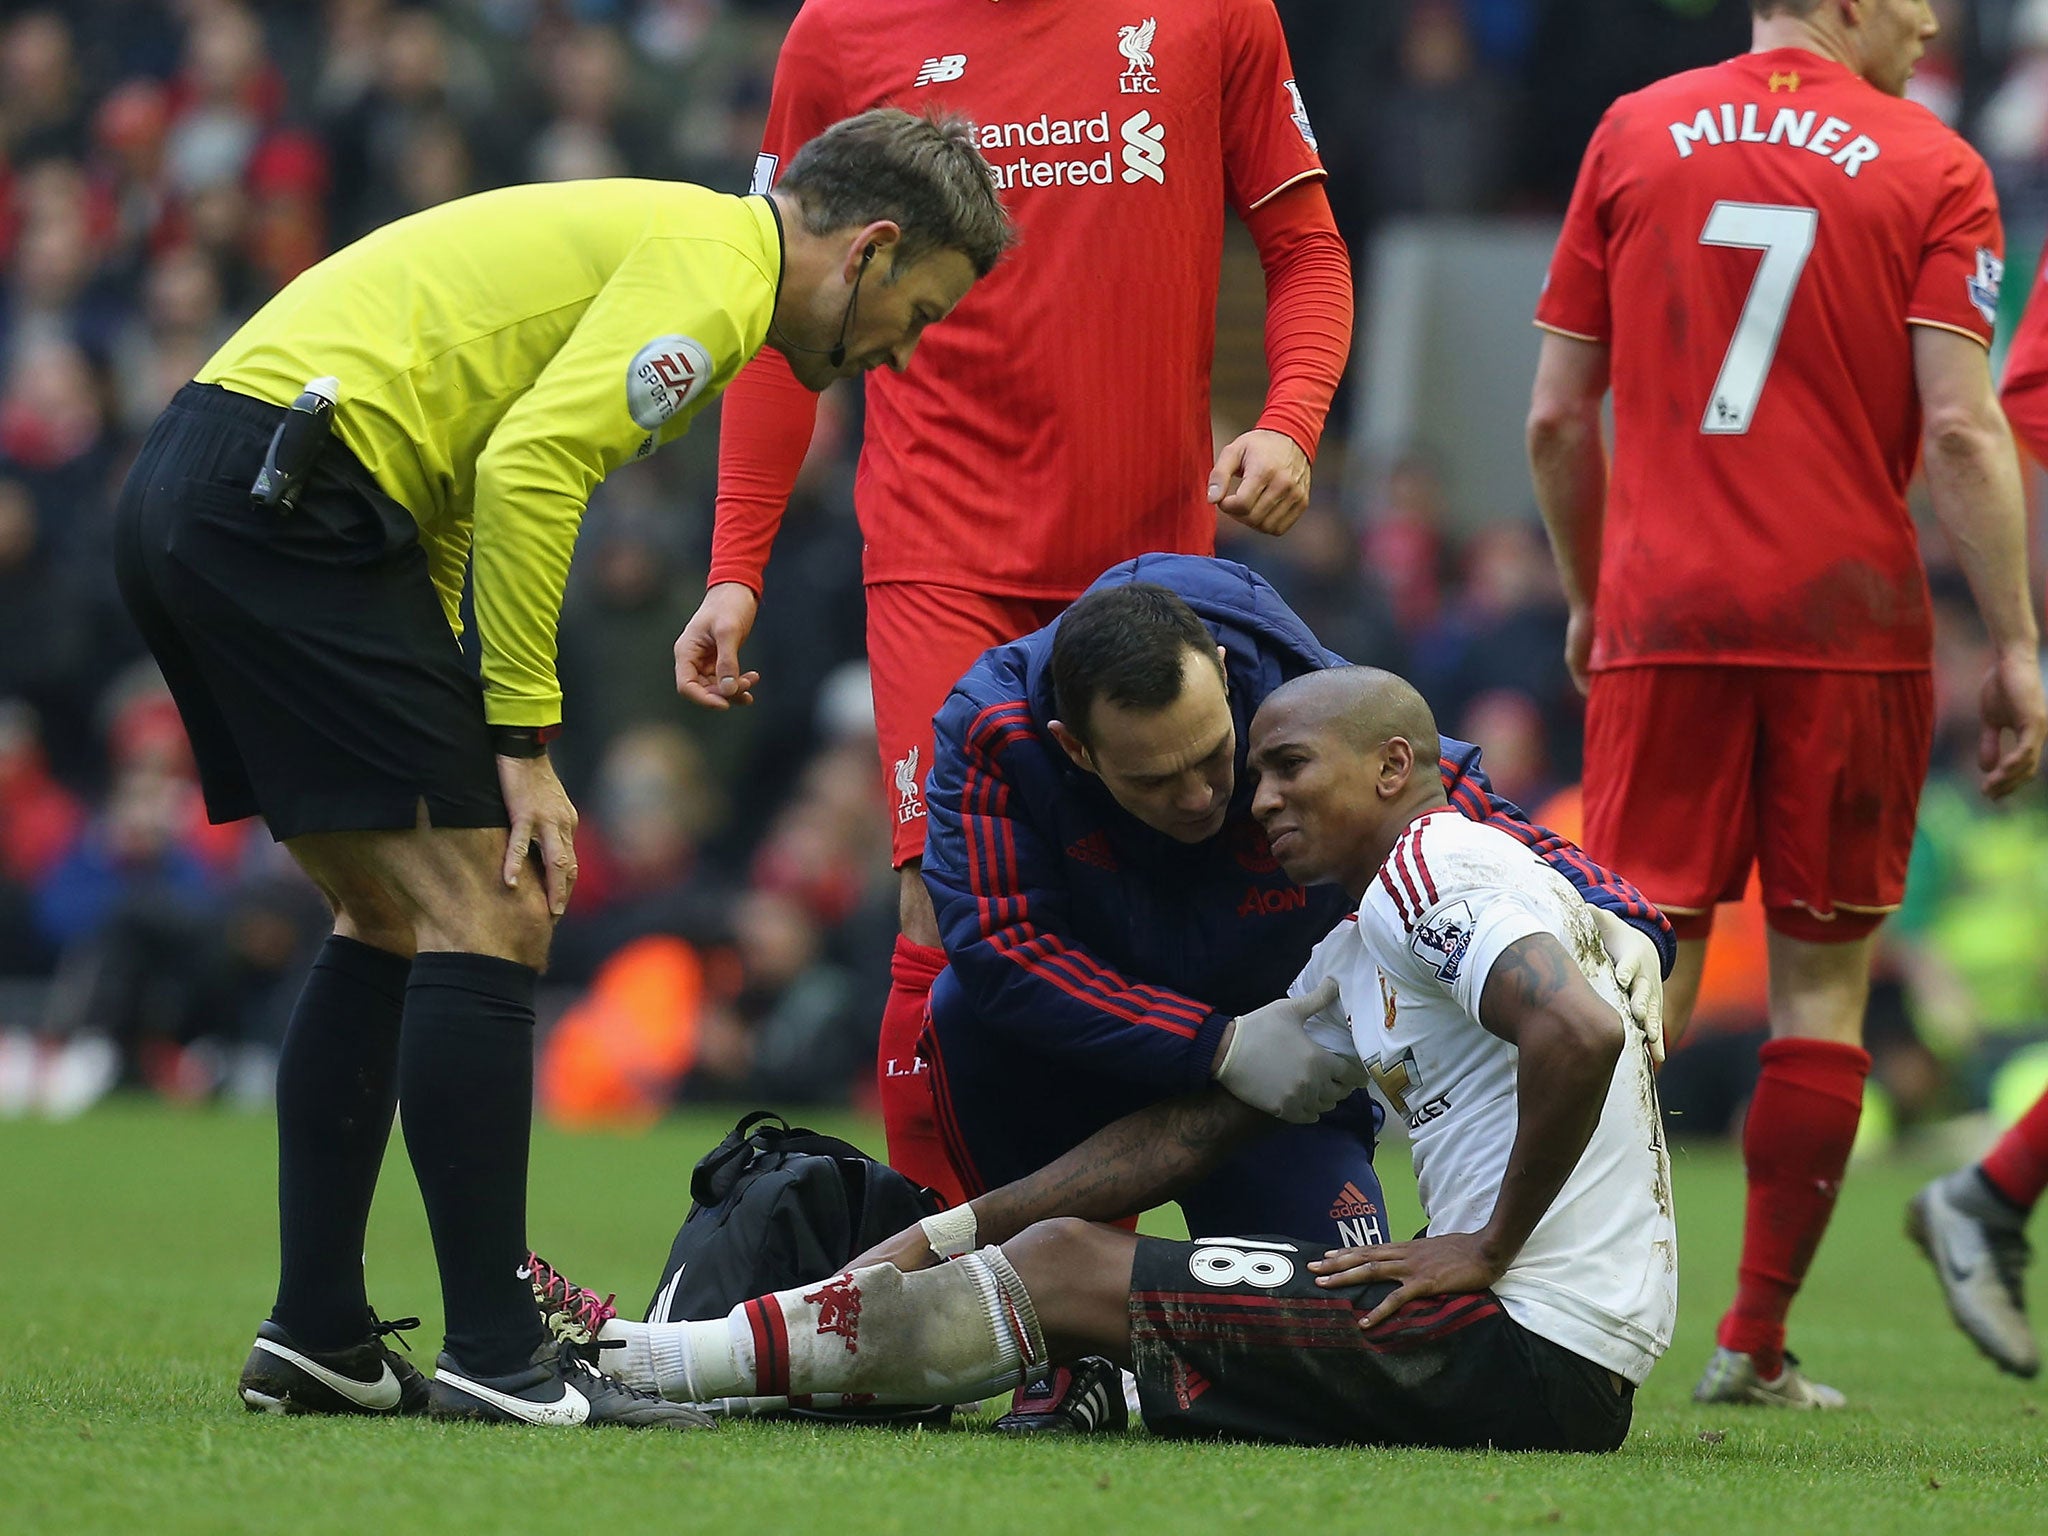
[1599, 1275]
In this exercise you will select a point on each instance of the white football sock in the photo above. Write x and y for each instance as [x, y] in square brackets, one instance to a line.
[957, 1333]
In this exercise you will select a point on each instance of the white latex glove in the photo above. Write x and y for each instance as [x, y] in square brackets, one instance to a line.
[1275, 1067]
[1639, 970]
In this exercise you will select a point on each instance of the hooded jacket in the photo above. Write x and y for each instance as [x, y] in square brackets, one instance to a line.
[1086, 935]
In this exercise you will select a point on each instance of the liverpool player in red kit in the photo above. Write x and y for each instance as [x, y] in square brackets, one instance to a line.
[1972, 1224]
[1060, 422]
[1788, 275]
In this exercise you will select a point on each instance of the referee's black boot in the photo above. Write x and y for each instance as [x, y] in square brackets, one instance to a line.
[558, 1389]
[280, 1376]
[1084, 1398]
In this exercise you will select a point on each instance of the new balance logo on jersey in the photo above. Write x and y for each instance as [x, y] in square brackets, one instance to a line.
[1093, 850]
[1144, 149]
[947, 66]
[1984, 284]
[1135, 44]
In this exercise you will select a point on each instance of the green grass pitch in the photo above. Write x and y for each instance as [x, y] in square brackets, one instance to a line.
[139, 1254]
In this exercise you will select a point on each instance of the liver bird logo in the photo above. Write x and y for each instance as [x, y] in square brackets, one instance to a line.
[1135, 43]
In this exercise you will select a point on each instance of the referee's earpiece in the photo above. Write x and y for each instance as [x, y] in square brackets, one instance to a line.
[837, 355]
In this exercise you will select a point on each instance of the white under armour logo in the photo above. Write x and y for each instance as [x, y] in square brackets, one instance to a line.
[1144, 149]
[947, 66]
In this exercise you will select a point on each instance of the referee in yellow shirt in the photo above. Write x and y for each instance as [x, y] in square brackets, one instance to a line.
[297, 568]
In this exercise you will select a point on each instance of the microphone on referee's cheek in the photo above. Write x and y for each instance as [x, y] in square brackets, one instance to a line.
[837, 356]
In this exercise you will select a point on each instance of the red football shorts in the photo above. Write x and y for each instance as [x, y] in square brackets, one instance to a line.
[920, 639]
[1695, 772]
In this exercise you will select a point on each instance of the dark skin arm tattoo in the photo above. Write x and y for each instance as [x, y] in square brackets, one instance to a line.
[1528, 977]
[1567, 1041]
[1126, 1167]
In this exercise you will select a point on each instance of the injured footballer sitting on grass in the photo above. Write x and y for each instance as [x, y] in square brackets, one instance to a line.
[1473, 990]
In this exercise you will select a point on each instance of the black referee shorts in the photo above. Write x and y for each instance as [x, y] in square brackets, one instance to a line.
[1233, 1337]
[307, 651]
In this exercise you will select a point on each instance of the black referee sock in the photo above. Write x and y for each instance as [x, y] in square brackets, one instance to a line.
[465, 1077]
[337, 1082]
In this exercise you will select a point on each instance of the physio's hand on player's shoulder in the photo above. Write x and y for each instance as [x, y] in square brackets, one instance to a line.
[1639, 972]
[1271, 1063]
[2015, 721]
[1428, 1266]
[708, 650]
[1262, 480]
[908, 1250]
[541, 814]
[1578, 649]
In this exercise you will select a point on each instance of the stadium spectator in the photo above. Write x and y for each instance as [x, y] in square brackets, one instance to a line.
[1434, 132]
[407, 108]
[42, 108]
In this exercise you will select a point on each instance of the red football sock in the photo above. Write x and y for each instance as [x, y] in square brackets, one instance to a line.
[908, 1118]
[2018, 1166]
[1802, 1122]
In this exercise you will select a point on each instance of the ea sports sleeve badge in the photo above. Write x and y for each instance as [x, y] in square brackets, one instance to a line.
[664, 376]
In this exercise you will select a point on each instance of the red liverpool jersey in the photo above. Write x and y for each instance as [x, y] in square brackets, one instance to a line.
[2025, 390]
[1058, 420]
[1755, 242]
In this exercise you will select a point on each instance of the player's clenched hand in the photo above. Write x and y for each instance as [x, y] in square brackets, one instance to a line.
[1639, 972]
[1428, 1266]
[1271, 1063]
[1262, 480]
[708, 650]
[2015, 721]
[541, 814]
[908, 1250]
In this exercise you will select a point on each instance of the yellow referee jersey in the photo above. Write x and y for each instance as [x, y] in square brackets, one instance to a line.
[501, 354]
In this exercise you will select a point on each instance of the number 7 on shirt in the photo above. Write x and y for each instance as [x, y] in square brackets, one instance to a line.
[1785, 235]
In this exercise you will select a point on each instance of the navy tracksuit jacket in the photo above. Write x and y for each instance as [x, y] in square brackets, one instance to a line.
[1092, 963]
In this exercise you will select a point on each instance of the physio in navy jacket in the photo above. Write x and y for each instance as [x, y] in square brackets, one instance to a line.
[1094, 960]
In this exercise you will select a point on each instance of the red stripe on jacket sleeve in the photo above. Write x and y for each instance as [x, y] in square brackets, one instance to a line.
[1003, 906]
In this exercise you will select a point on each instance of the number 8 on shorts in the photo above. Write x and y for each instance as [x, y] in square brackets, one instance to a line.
[1237, 1261]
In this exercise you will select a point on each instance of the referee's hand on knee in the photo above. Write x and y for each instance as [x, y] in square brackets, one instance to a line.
[541, 815]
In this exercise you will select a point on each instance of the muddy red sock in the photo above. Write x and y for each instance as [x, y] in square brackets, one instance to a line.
[907, 1113]
[2018, 1166]
[1802, 1122]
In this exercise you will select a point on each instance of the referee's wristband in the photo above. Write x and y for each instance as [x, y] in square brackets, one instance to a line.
[522, 740]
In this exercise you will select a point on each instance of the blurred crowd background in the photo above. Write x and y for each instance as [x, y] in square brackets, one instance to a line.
[165, 165]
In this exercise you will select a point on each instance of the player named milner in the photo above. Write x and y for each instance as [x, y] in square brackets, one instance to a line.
[1789, 275]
